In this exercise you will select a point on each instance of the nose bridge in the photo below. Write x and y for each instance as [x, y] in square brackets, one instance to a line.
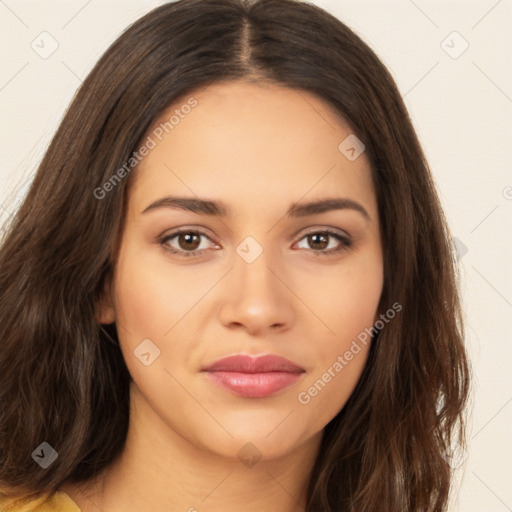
[255, 298]
[252, 272]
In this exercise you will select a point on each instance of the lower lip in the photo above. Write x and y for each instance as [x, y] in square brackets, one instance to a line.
[254, 385]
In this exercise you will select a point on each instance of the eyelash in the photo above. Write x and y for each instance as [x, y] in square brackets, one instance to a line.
[346, 242]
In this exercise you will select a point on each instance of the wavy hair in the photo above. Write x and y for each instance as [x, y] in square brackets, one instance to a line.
[63, 379]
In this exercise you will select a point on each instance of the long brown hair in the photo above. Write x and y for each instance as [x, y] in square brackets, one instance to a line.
[63, 379]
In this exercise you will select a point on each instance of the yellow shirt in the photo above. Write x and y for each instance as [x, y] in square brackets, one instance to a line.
[60, 502]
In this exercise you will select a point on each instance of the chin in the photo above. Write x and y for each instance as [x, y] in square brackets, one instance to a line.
[254, 444]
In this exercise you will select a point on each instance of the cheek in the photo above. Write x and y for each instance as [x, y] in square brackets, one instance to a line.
[350, 316]
[150, 297]
[346, 298]
[349, 306]
[149, 302]
[142, 301]
[156, 301]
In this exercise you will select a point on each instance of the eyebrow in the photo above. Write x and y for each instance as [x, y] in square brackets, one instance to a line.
[219, 209]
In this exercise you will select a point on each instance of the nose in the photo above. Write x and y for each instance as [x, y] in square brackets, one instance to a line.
[256, 298]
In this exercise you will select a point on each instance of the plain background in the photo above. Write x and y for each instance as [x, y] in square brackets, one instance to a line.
[460, 101]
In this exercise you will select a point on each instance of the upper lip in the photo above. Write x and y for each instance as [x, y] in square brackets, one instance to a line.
[247, 364]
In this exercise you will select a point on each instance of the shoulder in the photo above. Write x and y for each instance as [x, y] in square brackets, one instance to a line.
[59, 502]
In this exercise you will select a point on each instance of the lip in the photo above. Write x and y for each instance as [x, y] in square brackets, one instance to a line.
[251, 377]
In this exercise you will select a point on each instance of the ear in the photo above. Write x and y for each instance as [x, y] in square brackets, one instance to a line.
[105, 309]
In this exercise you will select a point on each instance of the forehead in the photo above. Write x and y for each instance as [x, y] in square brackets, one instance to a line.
[244, 140]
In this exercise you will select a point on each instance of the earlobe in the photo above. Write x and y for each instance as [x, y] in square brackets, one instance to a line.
[105, 313]
[105, 308]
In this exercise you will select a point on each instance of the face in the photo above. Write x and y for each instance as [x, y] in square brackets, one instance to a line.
[256, 273]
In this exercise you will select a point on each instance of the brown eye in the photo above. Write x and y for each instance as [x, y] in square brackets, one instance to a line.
[318, 240]
[189, 241]
[186, 243]
[325, 242]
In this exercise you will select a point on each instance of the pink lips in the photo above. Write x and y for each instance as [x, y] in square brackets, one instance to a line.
[250, 377]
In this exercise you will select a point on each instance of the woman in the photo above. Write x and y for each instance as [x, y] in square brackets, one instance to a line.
[230, 286]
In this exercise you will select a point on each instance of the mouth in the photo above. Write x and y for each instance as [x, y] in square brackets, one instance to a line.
[250, 377]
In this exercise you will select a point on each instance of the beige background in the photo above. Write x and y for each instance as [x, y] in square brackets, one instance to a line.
[460, 103]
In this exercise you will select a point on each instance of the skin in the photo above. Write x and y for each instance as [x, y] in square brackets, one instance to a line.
[258, 148]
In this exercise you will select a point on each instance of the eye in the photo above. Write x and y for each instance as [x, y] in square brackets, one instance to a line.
[325, 242]
[185, 242]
